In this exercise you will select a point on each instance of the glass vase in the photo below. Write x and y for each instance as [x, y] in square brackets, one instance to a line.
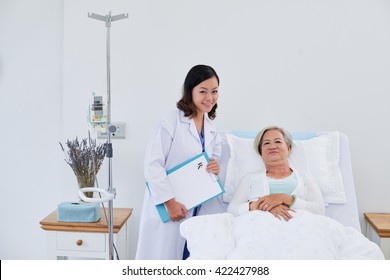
[86, 182]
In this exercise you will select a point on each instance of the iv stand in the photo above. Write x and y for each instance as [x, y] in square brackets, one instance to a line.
[111, 128]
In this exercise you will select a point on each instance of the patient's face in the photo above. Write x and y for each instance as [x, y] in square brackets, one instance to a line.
[274, 148]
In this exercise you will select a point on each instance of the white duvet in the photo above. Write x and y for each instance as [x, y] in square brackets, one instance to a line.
[259, 235]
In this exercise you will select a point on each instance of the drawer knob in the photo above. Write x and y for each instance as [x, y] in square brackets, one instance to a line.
[79, 242]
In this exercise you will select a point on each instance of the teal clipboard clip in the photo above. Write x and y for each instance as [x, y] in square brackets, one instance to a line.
[161, 209]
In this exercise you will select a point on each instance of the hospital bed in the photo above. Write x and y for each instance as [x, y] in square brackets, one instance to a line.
[258, 235]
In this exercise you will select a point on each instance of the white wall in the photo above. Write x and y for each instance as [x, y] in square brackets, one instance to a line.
[31, 123]
[304, 65]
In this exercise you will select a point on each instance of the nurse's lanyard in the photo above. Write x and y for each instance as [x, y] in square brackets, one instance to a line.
[201, 137]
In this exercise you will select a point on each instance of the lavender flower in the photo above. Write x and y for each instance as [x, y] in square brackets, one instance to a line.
[81, 157]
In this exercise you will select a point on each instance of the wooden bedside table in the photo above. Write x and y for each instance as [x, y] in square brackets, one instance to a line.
[87, 240]
[378, 230]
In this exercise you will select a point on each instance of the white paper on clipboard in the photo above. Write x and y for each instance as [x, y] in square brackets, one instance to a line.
[192, 184]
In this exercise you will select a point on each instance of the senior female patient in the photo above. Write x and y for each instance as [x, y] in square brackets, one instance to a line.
[279, 188]
[179, 136]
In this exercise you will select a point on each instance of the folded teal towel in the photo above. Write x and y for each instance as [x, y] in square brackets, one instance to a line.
[80, 212]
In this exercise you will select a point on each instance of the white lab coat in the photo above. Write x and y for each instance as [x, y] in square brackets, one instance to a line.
[174, 140]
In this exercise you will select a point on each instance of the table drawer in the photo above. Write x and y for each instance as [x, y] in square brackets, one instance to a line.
[81, 241]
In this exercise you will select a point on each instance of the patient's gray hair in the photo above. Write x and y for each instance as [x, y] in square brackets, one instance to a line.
[259, 138]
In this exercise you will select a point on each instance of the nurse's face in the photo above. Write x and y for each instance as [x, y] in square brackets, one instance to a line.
[205, 95]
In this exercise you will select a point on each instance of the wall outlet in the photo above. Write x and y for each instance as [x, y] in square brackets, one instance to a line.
[118, 131]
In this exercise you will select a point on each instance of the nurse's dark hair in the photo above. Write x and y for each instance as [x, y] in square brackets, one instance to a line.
[259, 138]
[195, 76]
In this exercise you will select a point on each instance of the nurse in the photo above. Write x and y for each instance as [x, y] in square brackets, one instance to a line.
[179, 136]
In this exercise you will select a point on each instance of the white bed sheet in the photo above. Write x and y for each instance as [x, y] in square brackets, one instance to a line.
[258, 235]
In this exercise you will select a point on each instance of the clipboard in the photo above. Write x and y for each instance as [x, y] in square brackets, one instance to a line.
[192, 184]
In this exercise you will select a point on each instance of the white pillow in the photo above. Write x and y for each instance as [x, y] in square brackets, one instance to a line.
[318, 156]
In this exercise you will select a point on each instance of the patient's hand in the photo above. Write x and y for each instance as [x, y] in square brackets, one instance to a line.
[282, 211]
[268, 202]
[254, 205]
[176, 210]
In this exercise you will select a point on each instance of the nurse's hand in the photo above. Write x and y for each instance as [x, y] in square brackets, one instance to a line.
[176, 210]
[213, 166]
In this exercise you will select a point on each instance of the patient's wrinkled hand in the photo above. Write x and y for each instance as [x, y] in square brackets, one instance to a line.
[254, 205]
[176, 210]
[282, 211]
[268, 202]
